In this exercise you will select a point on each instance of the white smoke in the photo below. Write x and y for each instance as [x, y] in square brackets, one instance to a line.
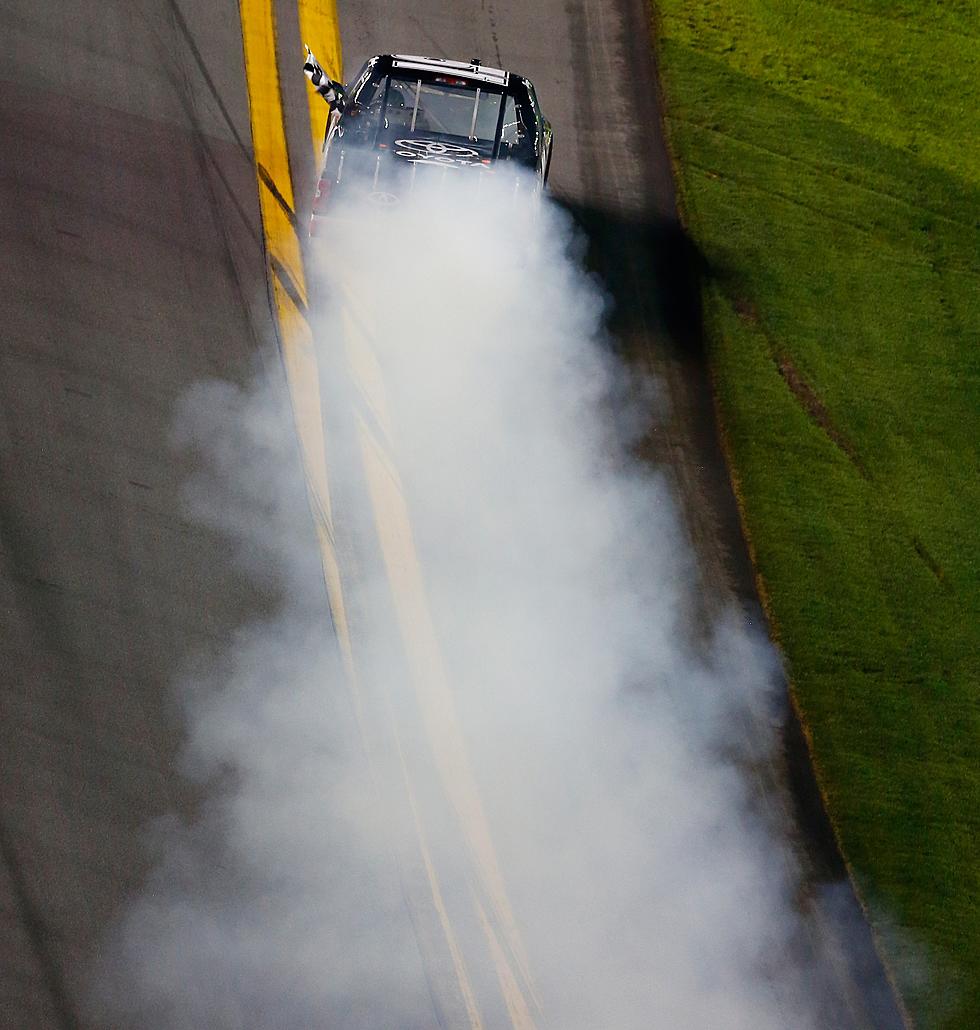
[601, 740]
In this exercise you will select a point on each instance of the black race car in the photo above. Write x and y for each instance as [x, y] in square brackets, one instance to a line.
[404, 118]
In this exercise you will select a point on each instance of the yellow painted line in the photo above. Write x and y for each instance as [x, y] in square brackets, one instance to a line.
[303, 379]
[426, 666]
[304, 387]
[517, 1008]
[288, 284]
[320, 31]
[459, 965]
[366, 375]
[276, 197]
[432, 688]
[277, 204]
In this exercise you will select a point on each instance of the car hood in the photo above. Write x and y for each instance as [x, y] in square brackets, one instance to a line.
[424, 150]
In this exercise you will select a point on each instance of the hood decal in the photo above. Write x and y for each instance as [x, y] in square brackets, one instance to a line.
[435, 152]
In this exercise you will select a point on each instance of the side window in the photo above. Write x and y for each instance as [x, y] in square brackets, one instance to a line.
[362, 75]
[366, 85]
[511, 128]
[369, 90]
[534, 101]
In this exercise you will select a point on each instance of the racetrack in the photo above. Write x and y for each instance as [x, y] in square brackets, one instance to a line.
[134, 268]
[131, 269]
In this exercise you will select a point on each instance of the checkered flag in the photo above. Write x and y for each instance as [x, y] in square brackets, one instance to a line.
[328, 89]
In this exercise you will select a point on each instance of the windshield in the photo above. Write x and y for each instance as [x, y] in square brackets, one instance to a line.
[441, 104]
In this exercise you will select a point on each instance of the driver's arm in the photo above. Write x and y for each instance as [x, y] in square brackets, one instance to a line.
[328, 89]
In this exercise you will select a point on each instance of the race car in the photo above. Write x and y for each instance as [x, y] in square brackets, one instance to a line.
[406, 117]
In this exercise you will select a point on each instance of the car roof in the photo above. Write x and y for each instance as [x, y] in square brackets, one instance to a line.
[466, 70]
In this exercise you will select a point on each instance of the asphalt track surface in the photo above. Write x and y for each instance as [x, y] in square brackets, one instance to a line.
[595, 76]
[132, 267]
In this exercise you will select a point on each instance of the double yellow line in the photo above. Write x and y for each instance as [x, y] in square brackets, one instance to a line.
[284, 252]
[288, 286]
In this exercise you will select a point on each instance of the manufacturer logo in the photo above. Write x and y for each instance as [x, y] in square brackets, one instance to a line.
[435, 152]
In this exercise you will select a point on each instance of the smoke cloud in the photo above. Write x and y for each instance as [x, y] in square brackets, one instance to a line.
[539, 743]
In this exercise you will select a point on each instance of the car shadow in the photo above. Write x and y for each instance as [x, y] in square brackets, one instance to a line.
[655, 276]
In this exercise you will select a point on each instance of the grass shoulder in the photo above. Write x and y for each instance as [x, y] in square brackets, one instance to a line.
[830, 174]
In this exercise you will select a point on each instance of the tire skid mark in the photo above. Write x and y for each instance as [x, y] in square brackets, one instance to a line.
[185, 31]
[38, 934]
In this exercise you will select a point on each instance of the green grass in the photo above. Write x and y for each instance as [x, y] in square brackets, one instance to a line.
[830, 172]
